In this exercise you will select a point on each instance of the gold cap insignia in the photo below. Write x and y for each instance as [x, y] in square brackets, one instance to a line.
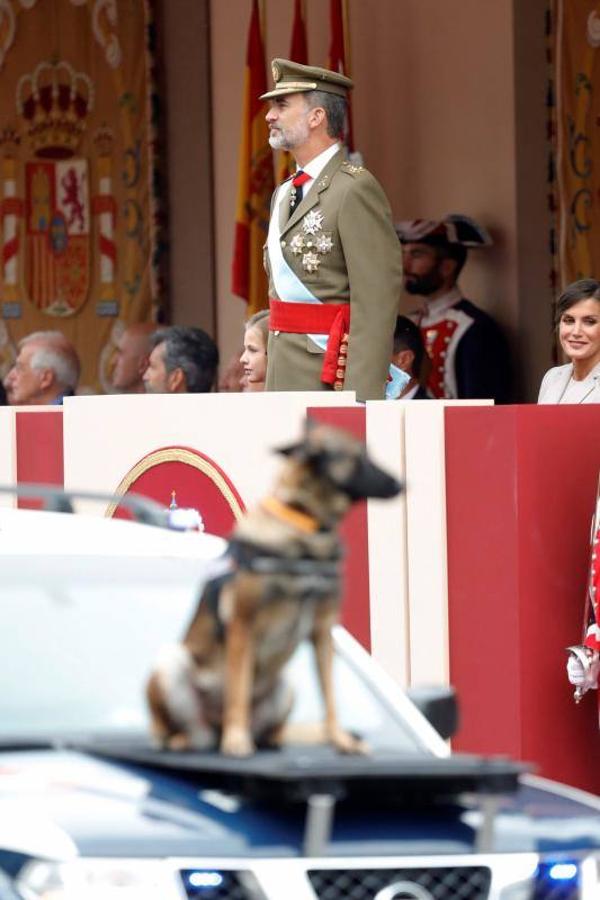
[275, 72]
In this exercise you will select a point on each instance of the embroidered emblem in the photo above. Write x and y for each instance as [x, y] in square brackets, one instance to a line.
[312, 222]
[311, 262]
[275, 72]
[352, 169]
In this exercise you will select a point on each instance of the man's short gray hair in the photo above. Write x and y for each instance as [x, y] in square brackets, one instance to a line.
[336, 110]
[55, 352]
[193, 351]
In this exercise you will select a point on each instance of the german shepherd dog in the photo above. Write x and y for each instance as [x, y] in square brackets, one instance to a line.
[223, 685]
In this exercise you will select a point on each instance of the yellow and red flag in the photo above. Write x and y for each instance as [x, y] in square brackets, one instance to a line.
[299, 54]
[255, 178]
[339, 51]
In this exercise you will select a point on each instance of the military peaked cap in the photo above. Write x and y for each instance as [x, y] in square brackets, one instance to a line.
[294, 78]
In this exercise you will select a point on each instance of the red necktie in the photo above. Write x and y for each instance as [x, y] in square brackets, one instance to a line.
[298, 182]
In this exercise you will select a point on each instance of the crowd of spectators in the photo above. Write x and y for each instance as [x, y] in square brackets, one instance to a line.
[147, 358]
[446, 348]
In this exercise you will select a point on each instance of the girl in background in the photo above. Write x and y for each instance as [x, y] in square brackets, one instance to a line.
[254, 357]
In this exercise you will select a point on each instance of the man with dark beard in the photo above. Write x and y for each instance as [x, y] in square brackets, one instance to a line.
[468, 353]
[332, 256]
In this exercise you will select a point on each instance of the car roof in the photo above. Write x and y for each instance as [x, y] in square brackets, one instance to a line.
[26, 532]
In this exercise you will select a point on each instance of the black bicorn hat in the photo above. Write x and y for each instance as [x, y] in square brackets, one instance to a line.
[454, 228]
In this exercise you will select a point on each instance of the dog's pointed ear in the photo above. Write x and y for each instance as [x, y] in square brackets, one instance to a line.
[299, 449]
[290, 449]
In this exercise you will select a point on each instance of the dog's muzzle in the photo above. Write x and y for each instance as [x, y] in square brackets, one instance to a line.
[368, 480]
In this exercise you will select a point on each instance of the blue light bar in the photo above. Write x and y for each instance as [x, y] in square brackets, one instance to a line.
[563, 872]
[205, 879]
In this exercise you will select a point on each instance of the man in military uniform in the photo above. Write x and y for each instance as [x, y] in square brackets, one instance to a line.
[467, 351]
[332, 256]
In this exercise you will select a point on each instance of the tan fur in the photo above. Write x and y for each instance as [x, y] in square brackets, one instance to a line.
[224, 682]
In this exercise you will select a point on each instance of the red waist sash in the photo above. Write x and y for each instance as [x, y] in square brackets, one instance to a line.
[332, 319]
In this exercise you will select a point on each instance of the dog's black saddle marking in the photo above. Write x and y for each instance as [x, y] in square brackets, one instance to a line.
[302, 579]
[210, 600]
[255, 559]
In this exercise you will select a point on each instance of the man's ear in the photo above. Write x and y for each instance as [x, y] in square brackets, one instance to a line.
[176, 381]
[316, 116]
[447, 268]
[47, 378]
[404, 360]
[143, 364]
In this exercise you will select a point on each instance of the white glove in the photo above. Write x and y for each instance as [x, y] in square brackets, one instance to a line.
[583, 668]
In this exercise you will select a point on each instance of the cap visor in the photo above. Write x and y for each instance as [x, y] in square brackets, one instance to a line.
[296, 88]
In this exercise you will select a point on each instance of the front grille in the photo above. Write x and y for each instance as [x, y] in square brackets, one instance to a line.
[452, 883]
[218, 885]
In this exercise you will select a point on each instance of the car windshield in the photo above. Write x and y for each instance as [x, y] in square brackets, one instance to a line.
[79, 635]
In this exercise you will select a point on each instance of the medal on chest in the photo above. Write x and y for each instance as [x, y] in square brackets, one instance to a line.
[311, 242]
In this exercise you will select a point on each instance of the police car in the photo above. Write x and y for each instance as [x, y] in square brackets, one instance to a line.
[91, 810]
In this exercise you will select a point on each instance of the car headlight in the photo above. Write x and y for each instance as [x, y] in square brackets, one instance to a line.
[99, 879]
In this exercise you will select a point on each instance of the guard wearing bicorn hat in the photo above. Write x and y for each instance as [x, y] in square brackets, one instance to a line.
[467, 351]
[332, 255]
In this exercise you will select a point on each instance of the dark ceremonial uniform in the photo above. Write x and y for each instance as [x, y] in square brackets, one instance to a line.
[467, 350]
[468, 353]
[419, 394]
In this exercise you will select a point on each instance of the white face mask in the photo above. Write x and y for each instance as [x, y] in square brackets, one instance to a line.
[398, 381]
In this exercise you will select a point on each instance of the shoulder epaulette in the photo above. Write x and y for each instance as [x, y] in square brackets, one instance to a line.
[351, 169]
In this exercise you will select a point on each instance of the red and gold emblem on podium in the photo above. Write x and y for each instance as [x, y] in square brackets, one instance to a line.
[198, 482]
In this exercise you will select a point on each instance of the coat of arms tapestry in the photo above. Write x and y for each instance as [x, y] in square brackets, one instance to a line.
[78, 175]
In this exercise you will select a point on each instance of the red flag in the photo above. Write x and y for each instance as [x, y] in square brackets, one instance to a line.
[255, 178]
[339, 51]
[299, 44]
[299, 54]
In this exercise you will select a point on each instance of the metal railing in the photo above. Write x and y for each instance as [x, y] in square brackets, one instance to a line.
[57, 499]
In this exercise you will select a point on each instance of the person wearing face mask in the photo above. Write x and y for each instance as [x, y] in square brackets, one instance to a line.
[578, 326]
[407, 363]
[254, 357]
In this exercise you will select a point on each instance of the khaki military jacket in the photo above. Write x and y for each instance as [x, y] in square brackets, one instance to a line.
[354, 257]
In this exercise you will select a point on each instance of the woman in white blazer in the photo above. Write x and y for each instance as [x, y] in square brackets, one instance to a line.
[578, 324]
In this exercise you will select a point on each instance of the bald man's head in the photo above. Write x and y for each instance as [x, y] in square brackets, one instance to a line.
[131, 359]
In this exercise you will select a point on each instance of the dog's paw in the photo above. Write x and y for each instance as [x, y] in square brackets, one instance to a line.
[237, 742]
[344, 742]
[179, 741]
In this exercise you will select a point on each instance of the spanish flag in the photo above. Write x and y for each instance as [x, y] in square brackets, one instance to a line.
[339, 51]
[255, 178]
[299, 54]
